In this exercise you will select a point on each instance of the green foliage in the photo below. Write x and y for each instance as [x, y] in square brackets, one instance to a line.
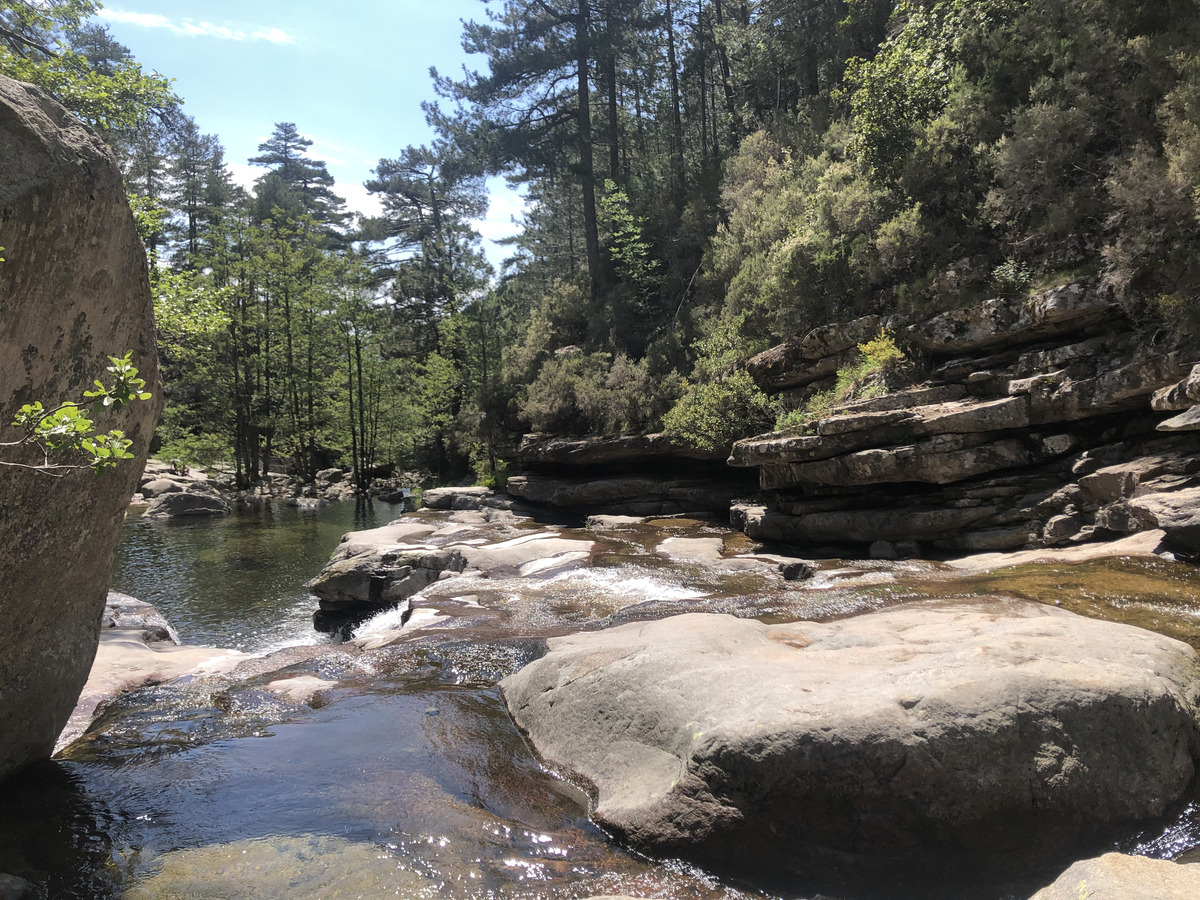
[41, 42]
[577, 393]
[1012, 277]
[66, 433]
[712, 415]
[866, 377]
[720, 403]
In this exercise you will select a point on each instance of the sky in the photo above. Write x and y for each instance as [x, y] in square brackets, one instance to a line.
[351, 75]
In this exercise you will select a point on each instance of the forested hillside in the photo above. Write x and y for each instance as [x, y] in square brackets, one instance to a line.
[705, 178]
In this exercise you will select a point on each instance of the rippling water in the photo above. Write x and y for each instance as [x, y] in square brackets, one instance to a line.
[406, 777]
[238, 581]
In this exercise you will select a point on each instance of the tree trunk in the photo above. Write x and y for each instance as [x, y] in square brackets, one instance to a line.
[586, 163]
[614, 130]
[676, 120]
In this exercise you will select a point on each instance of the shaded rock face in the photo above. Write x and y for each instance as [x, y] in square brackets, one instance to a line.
[624, 475]
[73, 290]
[993, 734]
[1022, 399]
[1117, 877]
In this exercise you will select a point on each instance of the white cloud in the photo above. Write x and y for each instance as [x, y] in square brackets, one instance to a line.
[358, 199]
[504, 212]
[198, 28]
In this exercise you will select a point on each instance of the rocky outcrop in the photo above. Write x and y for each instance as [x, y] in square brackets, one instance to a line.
[630, 495]
[635, 475]
[546, 450]
[988, 451]
[1117, 877]
[995, 734]
[381, 569]
[73, 290]
[138, 647]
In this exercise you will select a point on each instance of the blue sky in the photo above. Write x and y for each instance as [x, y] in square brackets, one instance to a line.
[351, 75]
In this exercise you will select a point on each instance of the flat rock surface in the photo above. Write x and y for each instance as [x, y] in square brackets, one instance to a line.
[995, 730]
[1118, 877]
[126, 660]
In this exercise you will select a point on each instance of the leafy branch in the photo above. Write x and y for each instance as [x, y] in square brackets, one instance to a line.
[67, 431]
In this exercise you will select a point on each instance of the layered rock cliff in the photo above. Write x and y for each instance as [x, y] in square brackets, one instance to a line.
[1023, 422]
[1030, 422]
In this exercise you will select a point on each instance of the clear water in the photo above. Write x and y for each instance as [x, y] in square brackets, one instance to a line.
[237, 582]
[406, 778]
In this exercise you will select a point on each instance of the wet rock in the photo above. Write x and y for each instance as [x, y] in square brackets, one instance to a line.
[187, 505]
[301, 689]
[309, 503]
[1118, 877]
[796, 571]
[138, 647]
[381, 578]
[378, 569]
[1000, 733]
[609, 523]
[304, 867]
[14, 888]
[131, 614]
[74, 290]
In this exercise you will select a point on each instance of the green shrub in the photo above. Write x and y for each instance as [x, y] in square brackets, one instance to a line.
[863, 379]
[714, 414]
[1011, 277]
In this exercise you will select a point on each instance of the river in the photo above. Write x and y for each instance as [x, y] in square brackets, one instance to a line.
[406, 777]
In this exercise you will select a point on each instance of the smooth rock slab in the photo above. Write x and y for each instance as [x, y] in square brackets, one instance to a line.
[1117, 877]
[998, 732]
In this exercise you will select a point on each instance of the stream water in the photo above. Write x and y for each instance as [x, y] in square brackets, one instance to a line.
[406, 777]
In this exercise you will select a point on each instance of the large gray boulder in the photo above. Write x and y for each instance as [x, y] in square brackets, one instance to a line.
[999, 732]
[1117, 877]
[73, 290]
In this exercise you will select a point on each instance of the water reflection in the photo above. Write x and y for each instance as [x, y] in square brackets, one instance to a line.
[238, 582]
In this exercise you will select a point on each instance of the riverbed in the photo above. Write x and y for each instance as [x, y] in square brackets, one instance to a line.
[404, 775]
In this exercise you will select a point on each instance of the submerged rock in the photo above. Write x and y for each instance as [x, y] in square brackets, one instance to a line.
[989, 733]
[1117, 877]
[304, 867]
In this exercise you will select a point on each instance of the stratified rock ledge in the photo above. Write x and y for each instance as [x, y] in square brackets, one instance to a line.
[995, 734]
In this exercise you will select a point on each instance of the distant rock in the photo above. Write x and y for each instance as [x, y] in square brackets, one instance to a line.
[996, 732]
[73, 291]
[187, 505]
[159, 486]
[1118, 877]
